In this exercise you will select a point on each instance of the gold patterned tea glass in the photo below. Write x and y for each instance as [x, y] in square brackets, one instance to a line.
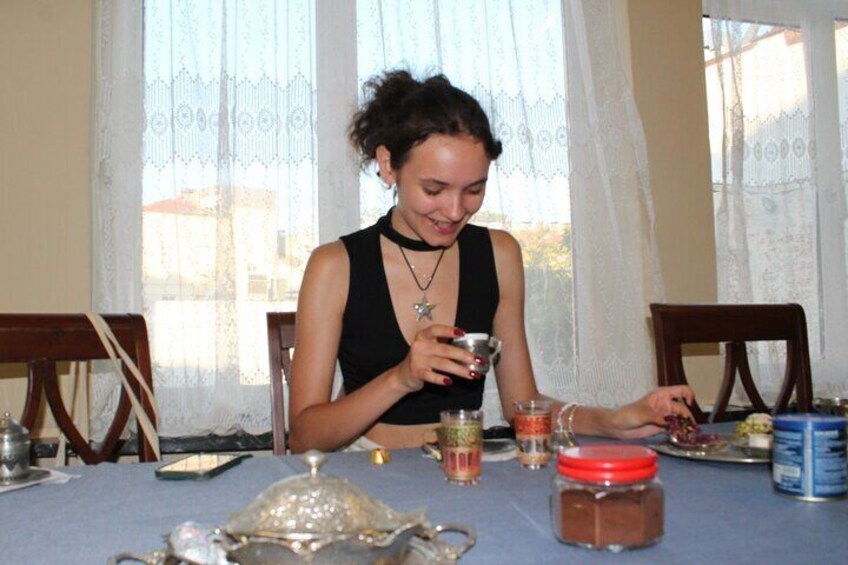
[461, 443]
[533, 432]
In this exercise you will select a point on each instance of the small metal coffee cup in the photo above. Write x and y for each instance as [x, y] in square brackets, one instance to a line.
[482, 345]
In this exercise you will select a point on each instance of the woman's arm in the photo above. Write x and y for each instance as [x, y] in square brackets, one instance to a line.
[515, 377]
[641, 418]
[315, 421]
[514, 371]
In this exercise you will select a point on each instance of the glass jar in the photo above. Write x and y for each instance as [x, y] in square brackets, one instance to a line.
[607, 497]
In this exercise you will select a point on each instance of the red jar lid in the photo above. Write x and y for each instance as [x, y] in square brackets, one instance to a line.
[608, 463]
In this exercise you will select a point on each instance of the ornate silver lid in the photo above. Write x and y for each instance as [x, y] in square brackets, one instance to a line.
[315, 503]
[12, 433]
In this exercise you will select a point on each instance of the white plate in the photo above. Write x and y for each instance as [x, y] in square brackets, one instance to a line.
[499, 449]
[493, 450]
[741, 444]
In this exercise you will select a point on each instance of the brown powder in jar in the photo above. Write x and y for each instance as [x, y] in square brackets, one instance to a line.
[631, 518]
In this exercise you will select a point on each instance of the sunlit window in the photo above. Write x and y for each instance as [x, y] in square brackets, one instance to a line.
[778, 139]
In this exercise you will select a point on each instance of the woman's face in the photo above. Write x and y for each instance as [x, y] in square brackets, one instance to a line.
[440, 187]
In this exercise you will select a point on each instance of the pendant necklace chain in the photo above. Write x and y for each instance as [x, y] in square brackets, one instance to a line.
[424, 308]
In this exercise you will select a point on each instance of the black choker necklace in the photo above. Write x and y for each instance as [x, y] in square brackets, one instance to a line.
[384, 225]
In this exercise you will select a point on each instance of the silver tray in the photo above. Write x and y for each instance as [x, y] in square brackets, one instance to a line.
[33, 474]
[493, 450]
[420, 551]
[732, 452]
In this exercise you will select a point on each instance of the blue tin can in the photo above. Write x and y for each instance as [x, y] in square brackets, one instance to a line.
[809, 457]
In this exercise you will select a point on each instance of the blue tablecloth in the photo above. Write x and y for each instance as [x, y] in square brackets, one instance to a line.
[715, 512]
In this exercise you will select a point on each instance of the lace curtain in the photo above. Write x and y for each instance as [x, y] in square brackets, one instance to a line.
[571, 184]
[617, 269]
[777, 84]
[210, 198]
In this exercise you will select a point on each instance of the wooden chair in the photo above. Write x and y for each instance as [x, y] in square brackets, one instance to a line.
[43, 340]
[281, 327]
[734, 325]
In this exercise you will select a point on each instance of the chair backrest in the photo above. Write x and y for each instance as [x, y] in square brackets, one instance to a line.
[43, 340]
[734, 325]
[281, 327]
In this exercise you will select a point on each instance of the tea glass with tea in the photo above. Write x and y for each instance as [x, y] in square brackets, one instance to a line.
[533, 432]
[460, 437]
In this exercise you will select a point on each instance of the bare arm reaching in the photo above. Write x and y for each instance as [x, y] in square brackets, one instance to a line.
[515, 374]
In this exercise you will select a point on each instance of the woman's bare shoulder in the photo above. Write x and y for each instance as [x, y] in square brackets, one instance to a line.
[505, 245]
[329, 258]
[325, 279]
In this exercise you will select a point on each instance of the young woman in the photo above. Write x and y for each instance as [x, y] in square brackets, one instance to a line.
[386, 301]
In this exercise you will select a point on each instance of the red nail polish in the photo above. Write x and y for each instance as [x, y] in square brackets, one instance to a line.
[447, 381]
[479, 360]
[458, 332]
[474, 374]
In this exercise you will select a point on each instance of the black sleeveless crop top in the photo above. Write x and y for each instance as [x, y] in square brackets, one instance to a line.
[372, 341]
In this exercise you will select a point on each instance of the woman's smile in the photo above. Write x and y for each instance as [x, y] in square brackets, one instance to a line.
[446, 228]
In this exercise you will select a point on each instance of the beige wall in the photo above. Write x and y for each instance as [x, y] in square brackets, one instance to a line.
[666, 48]
[668, 82]
[45, 88]
[45, 65]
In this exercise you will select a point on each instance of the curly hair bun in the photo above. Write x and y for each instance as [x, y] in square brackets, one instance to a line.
[401, 112]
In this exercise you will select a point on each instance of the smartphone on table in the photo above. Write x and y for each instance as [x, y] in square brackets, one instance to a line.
[200, 466]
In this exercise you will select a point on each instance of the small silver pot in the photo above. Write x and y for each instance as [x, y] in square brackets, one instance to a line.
[14, 450]
[835, 406]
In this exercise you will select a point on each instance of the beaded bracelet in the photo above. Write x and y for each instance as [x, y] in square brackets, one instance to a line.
[571, 420]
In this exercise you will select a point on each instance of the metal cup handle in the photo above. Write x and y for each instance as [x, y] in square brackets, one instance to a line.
[495, 345]
[454, 551]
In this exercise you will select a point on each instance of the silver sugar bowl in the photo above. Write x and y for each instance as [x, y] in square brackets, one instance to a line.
[14, 450]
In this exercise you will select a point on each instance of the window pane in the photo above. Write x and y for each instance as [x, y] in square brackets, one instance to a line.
[510, 59]
[841, 39]
[780, 225]
[229, 198]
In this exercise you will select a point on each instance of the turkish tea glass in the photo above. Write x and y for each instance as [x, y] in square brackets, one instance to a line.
[533, 432]
[461, 444]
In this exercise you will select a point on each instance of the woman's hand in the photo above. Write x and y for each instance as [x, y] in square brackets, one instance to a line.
[646, 416]
[433, 359]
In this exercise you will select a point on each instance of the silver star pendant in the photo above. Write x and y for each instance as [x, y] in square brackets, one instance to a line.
[424, 309]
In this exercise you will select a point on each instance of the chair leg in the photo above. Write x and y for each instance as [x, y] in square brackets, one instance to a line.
[727, 381]
[748, 380]
[63, 419]
[35, 383]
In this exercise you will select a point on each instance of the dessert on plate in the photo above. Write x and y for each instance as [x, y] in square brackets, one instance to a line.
[685, 433]
[756, 431]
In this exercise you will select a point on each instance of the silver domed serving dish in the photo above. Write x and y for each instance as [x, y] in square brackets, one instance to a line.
[317, 519]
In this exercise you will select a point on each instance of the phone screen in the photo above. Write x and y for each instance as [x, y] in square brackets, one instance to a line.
[199, 466]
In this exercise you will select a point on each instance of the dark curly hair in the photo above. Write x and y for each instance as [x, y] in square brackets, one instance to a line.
[400, 112]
